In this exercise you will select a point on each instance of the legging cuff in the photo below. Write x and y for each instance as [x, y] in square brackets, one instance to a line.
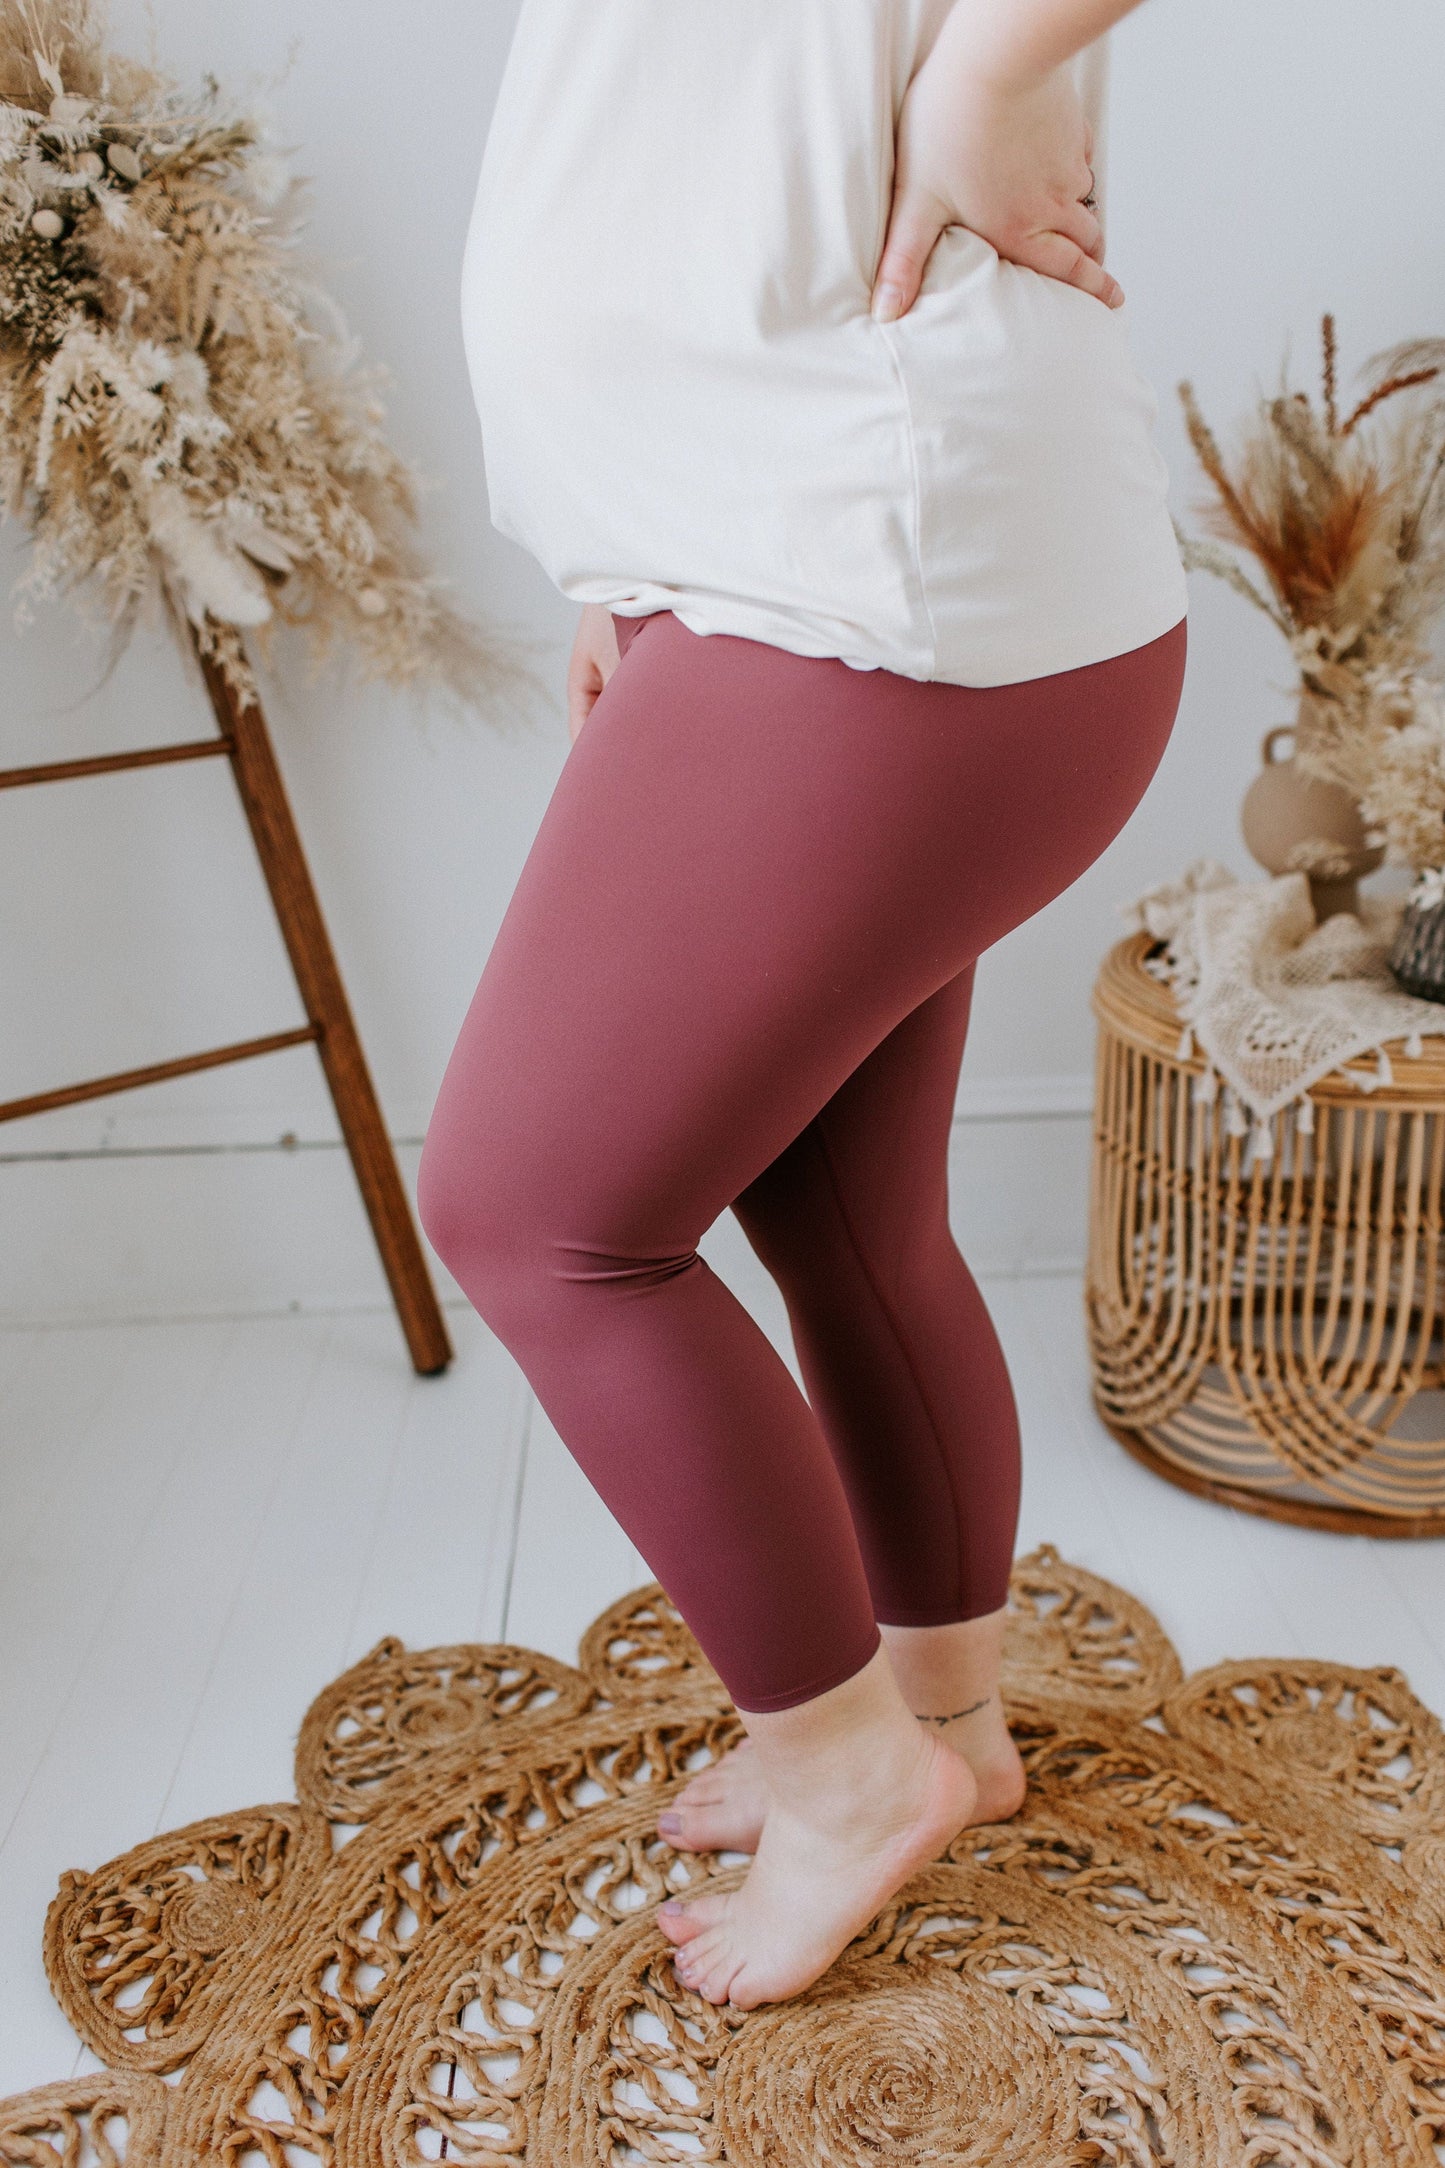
[799, 1694]
[950, 1617]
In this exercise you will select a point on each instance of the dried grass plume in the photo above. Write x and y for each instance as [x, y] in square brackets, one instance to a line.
[1345, 520]
[185, 421]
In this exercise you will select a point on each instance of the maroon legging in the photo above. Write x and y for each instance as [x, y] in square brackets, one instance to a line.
[736, 970]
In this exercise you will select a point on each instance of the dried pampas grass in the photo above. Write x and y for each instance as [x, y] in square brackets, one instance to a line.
[184, 419]
[1345, 519]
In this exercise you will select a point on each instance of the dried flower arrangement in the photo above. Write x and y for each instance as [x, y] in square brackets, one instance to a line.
[1346, 519]
[183, 417]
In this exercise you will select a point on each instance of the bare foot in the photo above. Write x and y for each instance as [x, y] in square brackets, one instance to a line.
[723, 1808]
[981, 1735]
[822, 1870]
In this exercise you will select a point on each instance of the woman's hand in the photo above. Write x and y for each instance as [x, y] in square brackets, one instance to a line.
[1007, 157]
[594, 658]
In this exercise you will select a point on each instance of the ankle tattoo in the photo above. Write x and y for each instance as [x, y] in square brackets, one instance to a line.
[972, 1710]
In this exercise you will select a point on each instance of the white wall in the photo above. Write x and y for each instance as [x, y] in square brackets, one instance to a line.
[1265, 163]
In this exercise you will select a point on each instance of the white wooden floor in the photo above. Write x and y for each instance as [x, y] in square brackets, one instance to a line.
[202, 1522]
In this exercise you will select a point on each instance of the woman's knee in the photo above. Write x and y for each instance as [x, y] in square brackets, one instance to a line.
[529, 1228]
[486, 1221]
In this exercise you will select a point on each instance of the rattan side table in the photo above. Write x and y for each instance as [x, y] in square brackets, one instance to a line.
[1268, 1332]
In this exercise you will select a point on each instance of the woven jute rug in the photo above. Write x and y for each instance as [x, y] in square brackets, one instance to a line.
[1215, 1935]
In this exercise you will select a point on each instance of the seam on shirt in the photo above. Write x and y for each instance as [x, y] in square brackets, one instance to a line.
[916, 491]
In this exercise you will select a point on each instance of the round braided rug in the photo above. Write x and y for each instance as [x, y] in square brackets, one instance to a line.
[1214, 1937]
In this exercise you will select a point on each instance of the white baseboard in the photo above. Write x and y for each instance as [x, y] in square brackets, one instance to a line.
[1025, 1098]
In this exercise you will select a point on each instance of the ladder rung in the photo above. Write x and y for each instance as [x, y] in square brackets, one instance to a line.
[148, 756]
[68, 1095]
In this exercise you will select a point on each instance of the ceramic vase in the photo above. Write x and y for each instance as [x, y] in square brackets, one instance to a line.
[1296, 823]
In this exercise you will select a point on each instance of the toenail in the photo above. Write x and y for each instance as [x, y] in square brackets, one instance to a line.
[670, 1825]
[672, 1910]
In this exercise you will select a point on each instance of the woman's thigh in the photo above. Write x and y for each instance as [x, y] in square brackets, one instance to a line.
[752, 867]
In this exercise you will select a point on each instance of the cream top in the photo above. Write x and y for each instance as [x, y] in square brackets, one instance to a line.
[685, 403]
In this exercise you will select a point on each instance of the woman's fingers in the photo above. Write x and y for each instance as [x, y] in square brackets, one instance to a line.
[913, 230]
[592, 662]
[1059, 257]
[1071, 250]
[1083, 226]
[584, 683]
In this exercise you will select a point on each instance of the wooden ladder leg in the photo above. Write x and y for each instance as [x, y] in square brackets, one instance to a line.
[298, 910]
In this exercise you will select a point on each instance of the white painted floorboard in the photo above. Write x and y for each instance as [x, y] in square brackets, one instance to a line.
[202, 1522]
[435, 1564]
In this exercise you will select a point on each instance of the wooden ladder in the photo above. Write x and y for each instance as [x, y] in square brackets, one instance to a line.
[244, 740]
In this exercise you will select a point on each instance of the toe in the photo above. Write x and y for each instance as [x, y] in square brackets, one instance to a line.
[706, 1787]
[691, 1963]
[711, 1965]
[677, 1922]
[708, 1829]
[745, 1991]
[682, 1923]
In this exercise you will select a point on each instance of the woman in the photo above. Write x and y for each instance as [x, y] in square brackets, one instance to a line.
[797, 366]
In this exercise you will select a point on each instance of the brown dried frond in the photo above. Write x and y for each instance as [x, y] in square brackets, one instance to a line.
[1314, 448]
[1328, 332]
[1418, 353]
[1308, 531]
[1404, 366]
[1315, 510]
[1201, 436]
[1270, 507]
[1387, 390]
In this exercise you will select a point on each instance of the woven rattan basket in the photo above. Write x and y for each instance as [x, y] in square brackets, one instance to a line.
[1268, 1330]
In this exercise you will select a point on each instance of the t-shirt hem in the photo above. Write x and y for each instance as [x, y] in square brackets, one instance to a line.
[981, 668]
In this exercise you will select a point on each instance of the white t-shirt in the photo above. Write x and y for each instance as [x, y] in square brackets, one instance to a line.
[685, 403]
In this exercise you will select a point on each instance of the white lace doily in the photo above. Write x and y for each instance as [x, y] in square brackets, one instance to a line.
[1275, 1001]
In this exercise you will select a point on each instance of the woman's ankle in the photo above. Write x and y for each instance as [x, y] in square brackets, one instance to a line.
[949, 1674]
[854, 1740]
